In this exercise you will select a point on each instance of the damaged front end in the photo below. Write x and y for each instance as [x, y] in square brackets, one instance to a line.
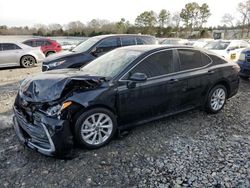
[43, 115]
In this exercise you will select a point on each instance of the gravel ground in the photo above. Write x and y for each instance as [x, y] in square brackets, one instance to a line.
[192, 149]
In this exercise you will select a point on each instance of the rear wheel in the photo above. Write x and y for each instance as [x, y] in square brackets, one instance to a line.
[27, 61]
[95, 128]
[216, 99]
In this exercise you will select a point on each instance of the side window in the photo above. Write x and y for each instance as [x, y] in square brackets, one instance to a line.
[39, 43]
[190, 59]
[148, 40]
[108, 44]
[127, 41]
[8, 46]
[139, 41]
[157, 64]
[47, 42]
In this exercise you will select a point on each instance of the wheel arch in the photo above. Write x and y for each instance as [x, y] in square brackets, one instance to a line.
[223, 82]
[81, 108]
[46, 53]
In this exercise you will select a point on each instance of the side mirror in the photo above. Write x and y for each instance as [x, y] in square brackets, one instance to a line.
[96, 51]
[136, 78]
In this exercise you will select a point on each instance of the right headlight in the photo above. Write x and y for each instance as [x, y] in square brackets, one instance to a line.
[55, 64]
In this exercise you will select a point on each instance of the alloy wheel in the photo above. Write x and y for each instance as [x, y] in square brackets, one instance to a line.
[218, 99]
[96, 128]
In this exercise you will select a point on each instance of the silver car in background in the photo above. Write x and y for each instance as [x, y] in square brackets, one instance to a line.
[18, 54]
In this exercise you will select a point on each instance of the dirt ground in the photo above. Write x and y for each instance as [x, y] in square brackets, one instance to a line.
[192, 149]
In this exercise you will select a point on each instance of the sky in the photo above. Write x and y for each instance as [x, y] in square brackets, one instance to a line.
[30, 12]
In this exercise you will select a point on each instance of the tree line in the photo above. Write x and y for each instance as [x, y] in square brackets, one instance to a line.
[191, 18]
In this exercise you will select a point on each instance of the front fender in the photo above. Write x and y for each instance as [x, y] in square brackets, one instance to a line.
[97, 97]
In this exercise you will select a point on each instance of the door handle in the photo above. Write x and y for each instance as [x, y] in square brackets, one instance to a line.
[210, 72]
[173, 80]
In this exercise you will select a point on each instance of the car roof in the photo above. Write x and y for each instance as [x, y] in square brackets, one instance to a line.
[121, 35]
[154, 47]
[34, 39]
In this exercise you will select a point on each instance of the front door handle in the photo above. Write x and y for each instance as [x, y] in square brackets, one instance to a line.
[173, 80]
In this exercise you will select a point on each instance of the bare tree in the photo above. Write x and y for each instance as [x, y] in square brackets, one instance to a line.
[176, 20]
[244, 10]
[228, 20]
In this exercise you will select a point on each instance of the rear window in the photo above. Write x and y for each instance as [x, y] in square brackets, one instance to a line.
[217, 60]
[205, 59]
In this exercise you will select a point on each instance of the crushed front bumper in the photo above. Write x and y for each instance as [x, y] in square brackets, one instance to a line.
[49, 136]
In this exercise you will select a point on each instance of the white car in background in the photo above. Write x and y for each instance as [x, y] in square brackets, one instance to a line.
[67, 45]
[18, 54]
[229, 49]
[174, 41]
[200, 43]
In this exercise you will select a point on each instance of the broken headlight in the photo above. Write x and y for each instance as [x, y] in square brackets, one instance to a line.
[57, 109]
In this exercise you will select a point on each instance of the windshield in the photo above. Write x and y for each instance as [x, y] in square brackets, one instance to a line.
[86, 45]
[112, 63]
[219, 45]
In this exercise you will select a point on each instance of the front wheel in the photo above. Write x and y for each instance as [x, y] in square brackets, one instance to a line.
[216, 99]
[95, 128]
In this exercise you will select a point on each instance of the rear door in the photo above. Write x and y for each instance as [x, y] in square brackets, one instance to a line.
[9, 54]
[195, 69]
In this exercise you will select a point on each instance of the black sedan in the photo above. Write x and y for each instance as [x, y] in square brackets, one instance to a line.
[125, 87]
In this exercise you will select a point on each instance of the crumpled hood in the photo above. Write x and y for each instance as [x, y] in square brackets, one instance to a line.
[50, 85]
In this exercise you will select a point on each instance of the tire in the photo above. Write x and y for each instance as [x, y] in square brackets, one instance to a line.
[27, 61]
[93, 136]
[217, 95]
[49, 53]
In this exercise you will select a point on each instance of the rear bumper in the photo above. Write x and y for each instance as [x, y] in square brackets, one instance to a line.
[49, 136]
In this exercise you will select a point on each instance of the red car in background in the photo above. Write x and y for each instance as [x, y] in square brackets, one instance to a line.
[48, 46]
